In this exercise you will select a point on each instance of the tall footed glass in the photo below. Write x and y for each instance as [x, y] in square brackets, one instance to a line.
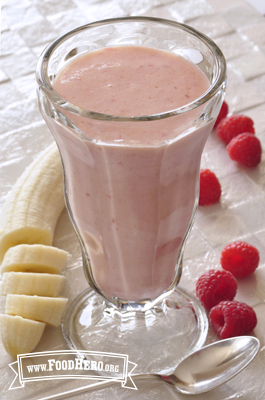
[131, 191]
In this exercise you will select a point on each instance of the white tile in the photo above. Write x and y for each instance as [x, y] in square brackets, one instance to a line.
[253, 220]
[21, 14]
[19, 115]
[233, 45]
[259, 5]
[259, 84]
[10, 42]
[16, 3]
[18, 150]
[219, 161]
[208, 210]
[212, 25]
[3, 22]
[240, 213]
[246, 96]
[37, 50]
[193, 268]
[3, 76]
[26, 85]
[162, 12]
[66, 21]
[258, 116]
[257, 36]
[261, 136]
[260, 245]
[242, 17]
[196, 244]
[249, 65]
[99, 11]
[260, 333]
[38, 33]
[21, 62]
[238, 187]
[9, 94]
[138, 7]
[222, 227]
[257, 174]
[213, 143]
[31, 139]
[225, 4]
[234, 81]
[49, 7]
[186, 10]
[251, 290]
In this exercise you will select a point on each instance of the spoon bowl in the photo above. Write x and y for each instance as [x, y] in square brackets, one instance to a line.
[201, 371]
[213, 365]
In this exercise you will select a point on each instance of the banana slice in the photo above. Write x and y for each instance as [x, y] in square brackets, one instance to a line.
[34, 258]
[44, 309]
[35, 203]
[32, 284]
[19, 335]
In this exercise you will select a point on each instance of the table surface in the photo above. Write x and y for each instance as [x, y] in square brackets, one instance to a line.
[239, 29]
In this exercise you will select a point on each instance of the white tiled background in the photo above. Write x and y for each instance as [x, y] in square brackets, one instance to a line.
[239, 29]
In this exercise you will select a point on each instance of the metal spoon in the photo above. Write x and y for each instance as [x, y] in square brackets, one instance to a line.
[213, 365]
[200, 372]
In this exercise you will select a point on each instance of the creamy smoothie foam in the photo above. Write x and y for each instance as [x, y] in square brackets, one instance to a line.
[131, 185]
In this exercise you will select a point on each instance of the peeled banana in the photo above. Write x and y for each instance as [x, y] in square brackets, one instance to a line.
[34, 258]
[35, 203]
[20, 335]
[30, 266]
[45, 309]
[31, 284]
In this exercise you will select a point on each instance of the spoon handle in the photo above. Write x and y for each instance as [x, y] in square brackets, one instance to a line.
[87, 388]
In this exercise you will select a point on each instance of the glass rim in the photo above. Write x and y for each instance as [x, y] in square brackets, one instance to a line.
[59, 101]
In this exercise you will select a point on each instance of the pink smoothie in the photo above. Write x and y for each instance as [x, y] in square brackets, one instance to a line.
[132, 185]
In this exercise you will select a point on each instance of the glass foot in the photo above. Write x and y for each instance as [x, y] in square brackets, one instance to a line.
[156, 340]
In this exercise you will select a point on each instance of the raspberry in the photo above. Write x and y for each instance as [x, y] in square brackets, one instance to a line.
[245, 149]
[233, 125]
[239, 258]
[232, 318]
[215, 286]
[210, 188]
[222, 114]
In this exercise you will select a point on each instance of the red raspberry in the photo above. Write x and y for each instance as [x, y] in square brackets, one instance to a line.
[215, 286]
[245, 149]
[222, 114]
[210, 188]
[239, 258]
[233, 125]
[232, 318]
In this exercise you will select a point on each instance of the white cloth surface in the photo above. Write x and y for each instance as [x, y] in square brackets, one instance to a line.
[237, 27]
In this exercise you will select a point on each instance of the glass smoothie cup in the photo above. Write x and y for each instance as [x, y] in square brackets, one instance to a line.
[131, 200]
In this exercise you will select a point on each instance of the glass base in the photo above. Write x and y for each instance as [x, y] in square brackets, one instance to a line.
[156, 340]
